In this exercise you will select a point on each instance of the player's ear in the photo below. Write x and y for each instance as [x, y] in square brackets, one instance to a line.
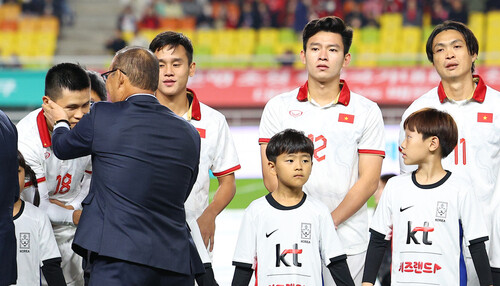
[434, 143]
[272, 168]
[45, 99]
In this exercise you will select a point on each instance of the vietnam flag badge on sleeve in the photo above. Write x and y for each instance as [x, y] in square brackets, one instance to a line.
[203, 132]
[348, 118]
[485, 117]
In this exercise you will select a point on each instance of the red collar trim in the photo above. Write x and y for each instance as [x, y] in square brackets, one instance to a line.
[344, 96]
[479, 93]
[195, 105]
[43, 130]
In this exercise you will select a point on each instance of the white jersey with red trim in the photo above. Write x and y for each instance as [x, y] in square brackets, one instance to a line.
[57, 179]
[217, 153]
[494, 254]
[478, 151]
[35, 243]
[340, 132]
[428, 223]
[287, 244]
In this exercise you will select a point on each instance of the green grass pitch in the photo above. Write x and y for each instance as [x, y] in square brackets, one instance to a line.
[248, 190]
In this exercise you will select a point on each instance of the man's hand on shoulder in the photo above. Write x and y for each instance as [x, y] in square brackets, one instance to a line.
[76, 216]
[206, 223]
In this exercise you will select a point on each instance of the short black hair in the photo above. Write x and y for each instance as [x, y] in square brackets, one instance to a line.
[288, 141]
[173, 40]
[331, 24]
[432, 122]
[139, 65]
[98, 85]
[65, 76]
[470, 39]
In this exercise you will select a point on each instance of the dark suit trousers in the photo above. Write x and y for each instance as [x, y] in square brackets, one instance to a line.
[115, 272]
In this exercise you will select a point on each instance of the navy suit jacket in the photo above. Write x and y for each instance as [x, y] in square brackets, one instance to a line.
[144, 164]
[9, 193]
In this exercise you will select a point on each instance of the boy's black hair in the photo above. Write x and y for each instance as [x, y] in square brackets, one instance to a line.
[432, 122]
[28, 172]
[172, 39]
[470, 39]
[331, 24]
[288, 141]
[385, 177]
[98, 85]
[65, 76]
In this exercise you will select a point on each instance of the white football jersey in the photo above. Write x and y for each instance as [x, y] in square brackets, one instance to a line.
[217, 153]
[340, 131]
[428, 224]
[477, 153]
[57, 179]
[289, 244]
[35, 243]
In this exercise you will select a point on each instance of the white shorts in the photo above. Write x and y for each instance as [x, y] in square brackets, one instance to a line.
[356, 265]
[205, 255]
[71, 262]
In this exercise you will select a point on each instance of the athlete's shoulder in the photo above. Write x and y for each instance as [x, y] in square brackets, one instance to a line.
[257, 204]
[29, 122]
[211, 113]
[289, 96]
[492, 94]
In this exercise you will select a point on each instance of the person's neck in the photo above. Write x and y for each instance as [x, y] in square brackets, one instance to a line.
[179, 103]
[323, 92]
[17, 207]
[287, 197]
[430, 172]
[459, 88]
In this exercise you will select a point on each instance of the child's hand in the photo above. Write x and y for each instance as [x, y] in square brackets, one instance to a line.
[61, 204]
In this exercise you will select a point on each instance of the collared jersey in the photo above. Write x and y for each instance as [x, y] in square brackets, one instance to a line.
[57, 179]
[477, 153]
[289, 244]
[217, 152]
[428, 224]
[340, 132]
[35, 243]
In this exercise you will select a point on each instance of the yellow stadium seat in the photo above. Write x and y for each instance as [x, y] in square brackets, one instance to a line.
[267, 36]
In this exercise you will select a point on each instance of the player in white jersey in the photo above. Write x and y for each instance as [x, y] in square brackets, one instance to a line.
[60, 181]
[346, 128]
[428, 212]
[36, 244]
[218, 154]
[495, 248]
[288, 234]
[453, 48]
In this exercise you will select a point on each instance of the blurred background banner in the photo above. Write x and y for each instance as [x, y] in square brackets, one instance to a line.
[21, 88]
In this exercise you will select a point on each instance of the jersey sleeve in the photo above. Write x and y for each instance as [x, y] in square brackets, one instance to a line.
[382, 218]
[269, 122]
[76, 203]
[373, 138]
[471, 216]
[495, 241]
[48, 245]
[330, 246]
[246, 245]
[226, 158]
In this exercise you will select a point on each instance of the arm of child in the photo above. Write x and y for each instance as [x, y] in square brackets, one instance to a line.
[340, 272]
[242, 276]
[481, 262]
[207, 278]
[374, 256]
[52, 272]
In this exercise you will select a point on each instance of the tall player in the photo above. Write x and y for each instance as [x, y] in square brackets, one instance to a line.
[218, 154]
[60, 180]
[452, 48]
[346, 128]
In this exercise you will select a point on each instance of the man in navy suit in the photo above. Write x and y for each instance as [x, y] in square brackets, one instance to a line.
[145, 162]
[9, 192]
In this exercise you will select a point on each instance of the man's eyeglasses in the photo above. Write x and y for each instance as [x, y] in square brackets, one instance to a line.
[106, 74]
